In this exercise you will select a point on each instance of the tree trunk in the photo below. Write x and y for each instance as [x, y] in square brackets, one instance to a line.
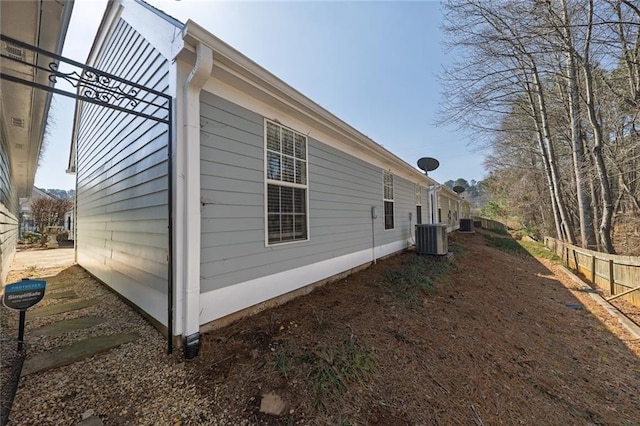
[584, 214]
[605, 189]
[547, 147]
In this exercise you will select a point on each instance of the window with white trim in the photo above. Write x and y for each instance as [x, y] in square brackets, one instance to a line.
[418, 191]
[387, 183]
[286, 178]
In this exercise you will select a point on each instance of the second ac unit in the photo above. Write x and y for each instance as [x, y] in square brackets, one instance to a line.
[432, 239]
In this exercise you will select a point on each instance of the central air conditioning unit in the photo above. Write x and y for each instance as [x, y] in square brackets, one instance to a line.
[432, 239]
[466, 225]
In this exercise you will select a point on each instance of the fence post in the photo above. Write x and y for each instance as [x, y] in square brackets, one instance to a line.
[575, 260]
[593, 269]
[612, 283]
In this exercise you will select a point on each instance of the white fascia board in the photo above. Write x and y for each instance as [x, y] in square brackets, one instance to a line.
[230, 65]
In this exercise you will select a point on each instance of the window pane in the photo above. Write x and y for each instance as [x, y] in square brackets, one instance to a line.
[301, 147]
[273, 137]
[274, 228]
[388, 215]
[286, 199]
[273, 165]
[418, 215]
[287, 227]
[287, 142]
[300, 201]
[301, 226]
[273, 198]
[301, 172]
[288, 169]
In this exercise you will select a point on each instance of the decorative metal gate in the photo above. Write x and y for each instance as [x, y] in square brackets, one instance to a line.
[88, 84]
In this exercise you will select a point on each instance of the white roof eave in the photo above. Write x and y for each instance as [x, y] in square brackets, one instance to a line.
[193, 33]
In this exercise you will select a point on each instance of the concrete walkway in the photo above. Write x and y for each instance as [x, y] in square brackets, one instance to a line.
[42, 259]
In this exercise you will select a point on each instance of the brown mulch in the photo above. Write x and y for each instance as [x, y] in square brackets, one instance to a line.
[498, 339]
[501, 339]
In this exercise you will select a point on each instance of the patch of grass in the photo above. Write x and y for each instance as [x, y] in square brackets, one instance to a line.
[499, 231]
[282, 363]
[337, 367]
[520, 248]
[506, 245]
[539, 250]
[330, 369]
[419, 274]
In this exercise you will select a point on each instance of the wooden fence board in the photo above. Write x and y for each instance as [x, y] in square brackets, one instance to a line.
[613, 273]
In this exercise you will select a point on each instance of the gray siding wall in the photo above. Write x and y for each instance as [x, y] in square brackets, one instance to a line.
[122, 217]
[8, 212]
[341, 188]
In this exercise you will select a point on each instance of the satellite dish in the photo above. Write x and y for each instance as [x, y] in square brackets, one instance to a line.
[428, 164]
[458, 189]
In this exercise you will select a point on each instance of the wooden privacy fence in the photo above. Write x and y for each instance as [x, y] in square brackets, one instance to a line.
[491, 225]
[618, 274]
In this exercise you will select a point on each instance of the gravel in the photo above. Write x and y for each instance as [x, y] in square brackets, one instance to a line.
[136, 383]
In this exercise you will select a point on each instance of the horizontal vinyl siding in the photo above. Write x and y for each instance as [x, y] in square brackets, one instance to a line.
[122, 195]
[449, 206]
[8, 213]
[341, 191]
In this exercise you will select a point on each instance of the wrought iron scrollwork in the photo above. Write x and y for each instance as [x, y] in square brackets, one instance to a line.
[96, 86]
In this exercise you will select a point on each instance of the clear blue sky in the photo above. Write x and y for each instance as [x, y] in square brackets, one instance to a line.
[373, 64]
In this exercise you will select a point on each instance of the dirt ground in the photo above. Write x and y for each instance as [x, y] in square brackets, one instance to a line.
[493, 338]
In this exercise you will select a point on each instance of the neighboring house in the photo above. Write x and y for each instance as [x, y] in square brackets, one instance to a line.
[266, 193]
[27, 224]
[24, 110]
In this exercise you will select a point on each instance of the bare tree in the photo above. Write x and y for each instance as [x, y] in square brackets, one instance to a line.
[49, 212]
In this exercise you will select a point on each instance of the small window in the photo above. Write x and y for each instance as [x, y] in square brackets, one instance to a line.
[286, 177]
[418, 191]
[387, 179]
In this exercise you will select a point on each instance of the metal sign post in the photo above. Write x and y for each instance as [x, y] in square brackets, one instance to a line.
[21, 296]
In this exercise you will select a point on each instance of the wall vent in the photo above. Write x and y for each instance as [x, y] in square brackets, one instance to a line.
[17, 122]
[432, 239]
[14, 52]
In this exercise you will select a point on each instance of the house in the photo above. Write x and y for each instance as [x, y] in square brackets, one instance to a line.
[249, 195]
[24, 109]
[27, 224]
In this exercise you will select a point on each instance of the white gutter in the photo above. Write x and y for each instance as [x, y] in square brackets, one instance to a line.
[191, 167]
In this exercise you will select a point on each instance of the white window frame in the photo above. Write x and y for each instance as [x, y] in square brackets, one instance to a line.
[282, 183]
[385, 199]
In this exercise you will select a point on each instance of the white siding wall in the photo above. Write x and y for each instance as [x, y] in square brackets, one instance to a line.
[8, 213]
[449, 206]
[122, 218]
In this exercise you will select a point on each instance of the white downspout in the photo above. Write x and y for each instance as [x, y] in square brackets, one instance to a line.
[191, 166]
[433, 193]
